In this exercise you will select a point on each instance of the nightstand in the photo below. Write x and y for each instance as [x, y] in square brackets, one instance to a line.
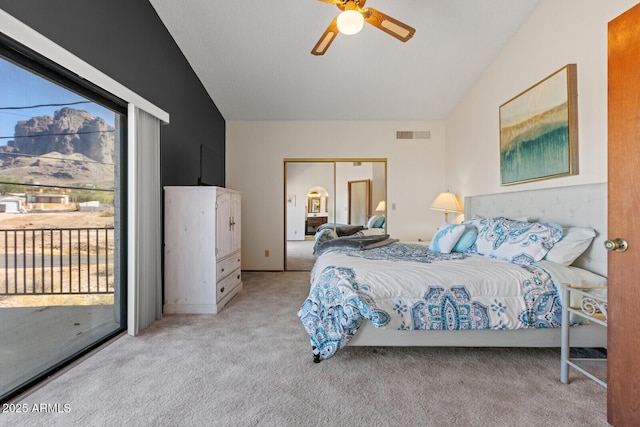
[592, 306]
[313, 222]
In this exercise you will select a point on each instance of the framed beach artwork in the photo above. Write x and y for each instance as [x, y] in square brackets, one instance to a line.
[539, 130]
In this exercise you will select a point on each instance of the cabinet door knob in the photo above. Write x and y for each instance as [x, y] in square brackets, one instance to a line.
[222, 269]
[222, 289]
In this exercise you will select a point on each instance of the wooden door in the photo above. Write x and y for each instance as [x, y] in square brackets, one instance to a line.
[359, 201]
[623, 393]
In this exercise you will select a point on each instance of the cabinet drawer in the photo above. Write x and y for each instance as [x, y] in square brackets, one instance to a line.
[227, 284]
[316, 220]
[227, 265]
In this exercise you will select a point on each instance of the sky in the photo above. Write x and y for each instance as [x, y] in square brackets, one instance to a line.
[22, 88]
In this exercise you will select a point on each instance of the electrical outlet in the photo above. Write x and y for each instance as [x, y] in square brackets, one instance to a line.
[266, 253]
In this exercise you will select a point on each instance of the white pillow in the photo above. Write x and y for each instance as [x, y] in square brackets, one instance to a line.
[372, 231]
[446, 238]
[372, 221]
[574, 242]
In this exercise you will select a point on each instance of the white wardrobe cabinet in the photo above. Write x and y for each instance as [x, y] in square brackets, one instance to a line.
[201, 248]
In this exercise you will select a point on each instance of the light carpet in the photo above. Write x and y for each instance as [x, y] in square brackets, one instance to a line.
[251, 365]
[300, 255]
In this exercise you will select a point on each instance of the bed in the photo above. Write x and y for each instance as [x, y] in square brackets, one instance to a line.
[331, 231]
[460, 302]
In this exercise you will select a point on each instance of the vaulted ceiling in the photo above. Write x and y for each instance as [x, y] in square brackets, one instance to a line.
[254, 60]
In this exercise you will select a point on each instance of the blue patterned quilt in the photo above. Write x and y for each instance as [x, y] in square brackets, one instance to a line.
[404, 286]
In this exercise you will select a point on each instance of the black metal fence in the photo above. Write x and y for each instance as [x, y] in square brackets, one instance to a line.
[56, 261]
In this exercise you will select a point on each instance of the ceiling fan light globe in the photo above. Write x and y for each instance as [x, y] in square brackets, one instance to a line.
[350, 22]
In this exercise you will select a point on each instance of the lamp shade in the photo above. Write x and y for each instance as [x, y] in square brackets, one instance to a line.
[381, 206]
[447, 202]
[350, 22]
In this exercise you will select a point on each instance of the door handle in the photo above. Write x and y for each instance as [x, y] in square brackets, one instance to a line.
[617, 244]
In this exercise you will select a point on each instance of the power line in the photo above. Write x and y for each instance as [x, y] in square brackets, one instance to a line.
[67, 187]
[62, 159]
[57, 134]
[46, 105]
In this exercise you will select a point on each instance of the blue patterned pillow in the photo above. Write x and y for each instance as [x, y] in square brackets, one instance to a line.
[517, 241]
[446, 238]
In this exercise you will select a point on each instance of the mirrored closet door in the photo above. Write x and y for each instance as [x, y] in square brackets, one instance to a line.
[321, 193]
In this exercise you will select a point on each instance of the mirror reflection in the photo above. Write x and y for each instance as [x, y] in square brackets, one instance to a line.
[358, 204]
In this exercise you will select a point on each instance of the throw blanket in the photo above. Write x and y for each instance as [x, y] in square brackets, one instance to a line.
[355, 242]
[341, 229]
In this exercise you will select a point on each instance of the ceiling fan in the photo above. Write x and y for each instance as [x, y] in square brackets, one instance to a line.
[353, 17]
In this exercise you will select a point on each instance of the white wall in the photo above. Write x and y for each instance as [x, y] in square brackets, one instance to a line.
[557, 33]
[255, 153]
[345, 172]
[301, 178]
[378, 190]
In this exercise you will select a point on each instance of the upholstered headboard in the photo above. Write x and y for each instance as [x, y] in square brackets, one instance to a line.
[579, 205]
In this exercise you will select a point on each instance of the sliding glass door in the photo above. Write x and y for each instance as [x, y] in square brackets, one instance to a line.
[61, 223]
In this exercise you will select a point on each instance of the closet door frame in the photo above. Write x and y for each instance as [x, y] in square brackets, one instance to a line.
[333, 160]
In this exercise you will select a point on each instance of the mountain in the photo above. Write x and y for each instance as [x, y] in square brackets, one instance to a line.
[68, 131]
[72, 148]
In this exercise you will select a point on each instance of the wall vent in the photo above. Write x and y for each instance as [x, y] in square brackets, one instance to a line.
[413, 134]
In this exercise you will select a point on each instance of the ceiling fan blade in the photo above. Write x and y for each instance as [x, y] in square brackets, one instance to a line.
[325, 41]
[389, 25]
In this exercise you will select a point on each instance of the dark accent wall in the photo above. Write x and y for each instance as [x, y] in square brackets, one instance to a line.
[126, 40]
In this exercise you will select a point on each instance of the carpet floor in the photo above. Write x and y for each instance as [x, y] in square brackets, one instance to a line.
[300, 255]
[251, 365]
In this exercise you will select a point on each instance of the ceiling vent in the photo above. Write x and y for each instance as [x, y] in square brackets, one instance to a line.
[413, 134]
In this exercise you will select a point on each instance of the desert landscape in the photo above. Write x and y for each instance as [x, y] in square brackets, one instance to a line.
[70, 219]
[60, 244]
[51, 251]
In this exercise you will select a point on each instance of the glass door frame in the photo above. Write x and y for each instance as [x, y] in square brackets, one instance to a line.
[38, 64]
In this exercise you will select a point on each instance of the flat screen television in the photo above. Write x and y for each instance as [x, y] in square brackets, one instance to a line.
[208, 161]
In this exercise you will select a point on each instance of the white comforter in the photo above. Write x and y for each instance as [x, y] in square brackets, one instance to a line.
[406, 287]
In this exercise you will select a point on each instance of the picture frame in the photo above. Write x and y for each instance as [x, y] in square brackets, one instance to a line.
[314, 204]
[539, 130]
